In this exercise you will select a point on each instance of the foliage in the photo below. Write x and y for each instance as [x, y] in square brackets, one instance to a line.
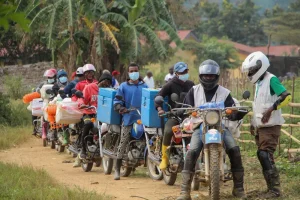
[14, 87]
[239, 23]
[4, 109]
[9, 16]
[21, 182]
[12, 136]
[210, 48]
[284, 26]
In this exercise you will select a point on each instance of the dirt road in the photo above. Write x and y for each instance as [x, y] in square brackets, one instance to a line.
[133, 187]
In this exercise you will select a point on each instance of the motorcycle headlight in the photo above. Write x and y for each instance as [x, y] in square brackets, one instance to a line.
[212, 117]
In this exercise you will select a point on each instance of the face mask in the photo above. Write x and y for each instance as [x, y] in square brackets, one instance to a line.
[51, 80]
[63, 79]
[183, 77]
[134, 76]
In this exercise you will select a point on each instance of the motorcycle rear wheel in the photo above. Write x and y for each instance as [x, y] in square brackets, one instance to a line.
[214, 171]
[170, 178]
[45, 142]
[87, 167]
[154, 172]
[52, 145]
[107, 164]
[125, 171]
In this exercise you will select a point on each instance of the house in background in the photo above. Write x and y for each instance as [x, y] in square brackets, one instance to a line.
[283, 58]
[182, 34]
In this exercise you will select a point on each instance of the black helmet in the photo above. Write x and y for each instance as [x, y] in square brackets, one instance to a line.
[209, 67]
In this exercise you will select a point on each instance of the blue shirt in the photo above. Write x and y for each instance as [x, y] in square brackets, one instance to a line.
[70, 86]
[132, 95]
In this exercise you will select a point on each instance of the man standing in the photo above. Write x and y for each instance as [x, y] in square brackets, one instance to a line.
[149, 80]
[170, 75]
[270, 96]
[131, 91]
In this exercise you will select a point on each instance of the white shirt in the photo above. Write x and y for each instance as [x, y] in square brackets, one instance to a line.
[169, 77]
[116, 86]
[149, 81]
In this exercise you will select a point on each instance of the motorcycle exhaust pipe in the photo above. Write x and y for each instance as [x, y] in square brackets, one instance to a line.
[73, 149]
[109, 154]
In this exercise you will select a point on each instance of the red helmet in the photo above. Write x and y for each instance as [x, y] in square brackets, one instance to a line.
[50, 73]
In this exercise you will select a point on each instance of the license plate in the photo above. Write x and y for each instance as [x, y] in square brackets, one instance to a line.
[151, 131]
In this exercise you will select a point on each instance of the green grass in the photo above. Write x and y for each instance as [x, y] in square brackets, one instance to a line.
[26, 183]
[12, 136]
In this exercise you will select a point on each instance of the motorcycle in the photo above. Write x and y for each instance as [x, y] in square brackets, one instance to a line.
[210, 168]
[136, 151]
[178, 147]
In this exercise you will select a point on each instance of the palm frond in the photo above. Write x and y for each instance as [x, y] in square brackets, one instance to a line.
[163, 25]
[100, 5]
[40, 13]
[109, 35]
[164, 12]
[98, 44]
[72, 13]
[51, 26]
[32, 9]
[88, 23]
[135, 42]
[152, 38]
[115, 18]
[150, 9]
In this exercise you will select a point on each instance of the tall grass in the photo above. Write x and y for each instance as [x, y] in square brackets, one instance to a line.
[12, 136]
[20, 183]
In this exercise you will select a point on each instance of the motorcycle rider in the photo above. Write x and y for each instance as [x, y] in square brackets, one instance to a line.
[62, 81]
[50, 74]
[209, 90]
[131, 91]
[270, 96]
[178, 85]
[89, 72]
[78, 77]
[90, 94]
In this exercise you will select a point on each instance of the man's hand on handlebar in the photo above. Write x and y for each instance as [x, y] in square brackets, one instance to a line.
[160, 111]
[123, 110]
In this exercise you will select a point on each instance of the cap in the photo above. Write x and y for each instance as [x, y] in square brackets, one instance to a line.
[180, 67]
[115, 72]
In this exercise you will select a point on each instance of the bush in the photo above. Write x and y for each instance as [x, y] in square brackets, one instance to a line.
[14, 87]
[4, 109]
[13, 112]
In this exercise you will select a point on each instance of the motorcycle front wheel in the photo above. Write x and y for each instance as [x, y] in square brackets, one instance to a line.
[154, 172]
[214, 171]
[125, 171]
[170, 178]
[107, 164]
[87, 167]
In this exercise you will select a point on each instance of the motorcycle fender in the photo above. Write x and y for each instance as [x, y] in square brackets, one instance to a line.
[213, 136]
[145, 156]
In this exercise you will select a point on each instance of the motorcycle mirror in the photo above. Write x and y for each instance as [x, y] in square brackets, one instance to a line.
[246, 95]
[159, 100]
[79, 94]
[174, 97]
[119, 97]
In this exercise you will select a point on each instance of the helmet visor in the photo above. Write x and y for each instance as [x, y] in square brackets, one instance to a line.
[209, 69]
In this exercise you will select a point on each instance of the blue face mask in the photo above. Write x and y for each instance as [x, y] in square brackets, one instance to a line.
[184, 77]
[134, 76]
[52, 80]
[63, 79]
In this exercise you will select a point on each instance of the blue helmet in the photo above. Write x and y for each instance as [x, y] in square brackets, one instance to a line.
[61, 72]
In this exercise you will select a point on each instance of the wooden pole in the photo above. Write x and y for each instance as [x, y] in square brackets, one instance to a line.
[292, 109]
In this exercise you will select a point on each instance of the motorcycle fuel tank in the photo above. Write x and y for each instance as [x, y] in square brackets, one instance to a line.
[137, 131]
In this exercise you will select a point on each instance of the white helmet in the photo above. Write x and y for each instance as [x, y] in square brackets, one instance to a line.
[79, 71]
[88, 67]
[256, 64]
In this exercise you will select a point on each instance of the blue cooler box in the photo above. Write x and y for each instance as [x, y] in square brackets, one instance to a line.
[105, 111]
[150, 117]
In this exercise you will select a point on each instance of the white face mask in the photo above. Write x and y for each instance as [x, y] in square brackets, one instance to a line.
[51, 80]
